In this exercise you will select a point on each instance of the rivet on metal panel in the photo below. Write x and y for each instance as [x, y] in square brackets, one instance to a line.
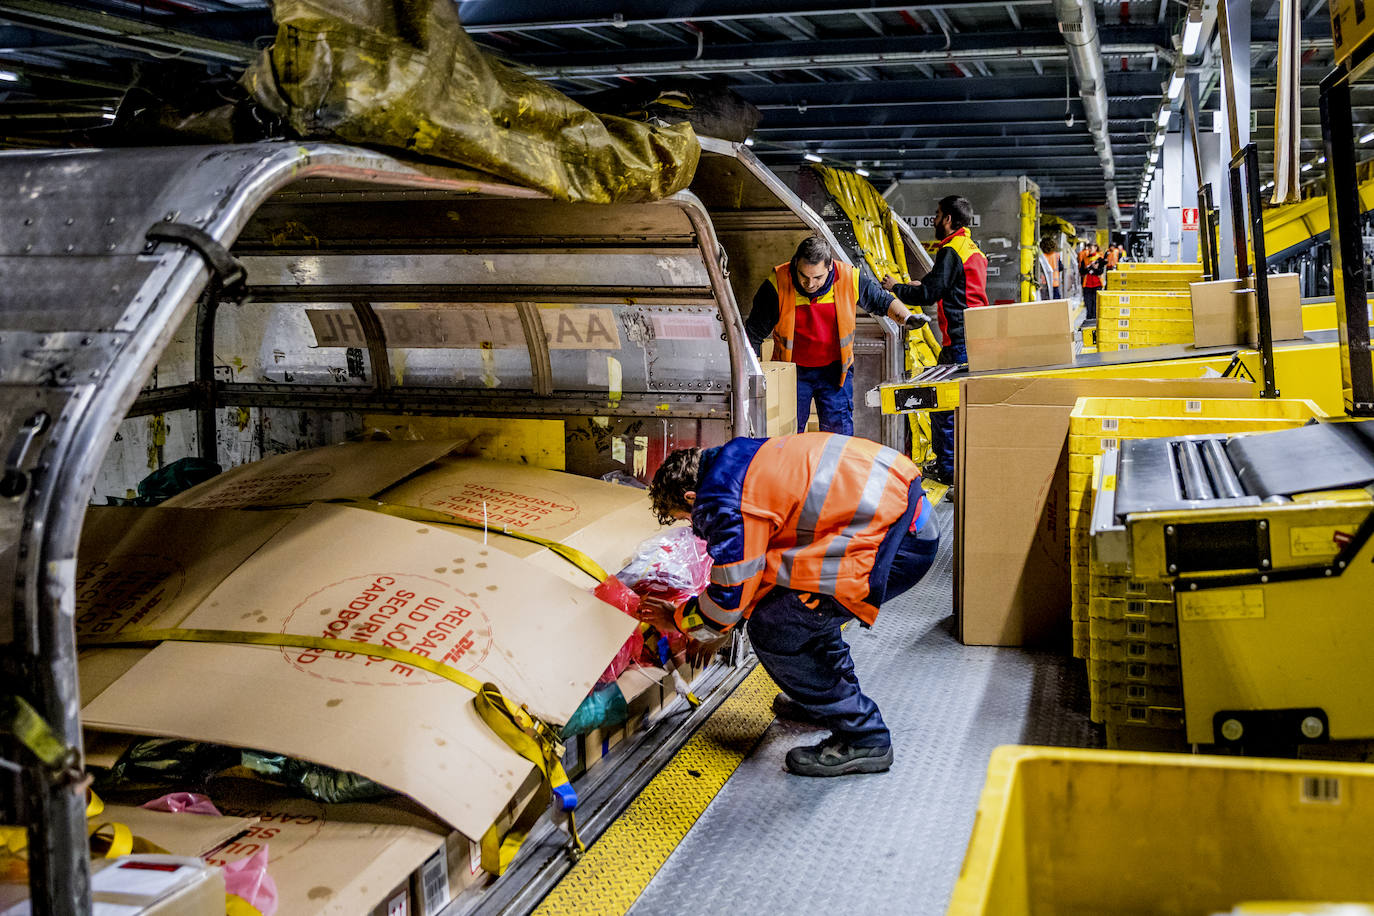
[28, 221]
[86, 341]
[69, 221]
[71, 248]
[1173, 568]
[110, 221]
[1328, 572]
[28, 248]
[1264, 564]
[1192, 586]
[1264, 578]
[1341, 564]
[1263, 525]
[1231, 730]
[1169, 529]
[1312, 727]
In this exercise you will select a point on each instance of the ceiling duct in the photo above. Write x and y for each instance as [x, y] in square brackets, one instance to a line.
[1078, 25]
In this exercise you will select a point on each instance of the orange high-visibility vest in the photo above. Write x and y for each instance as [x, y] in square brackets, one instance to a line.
[845, 289]
[816, 507]
[1053, 259]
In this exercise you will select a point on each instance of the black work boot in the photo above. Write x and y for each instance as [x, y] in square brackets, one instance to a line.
[833, 757]
[784, 707]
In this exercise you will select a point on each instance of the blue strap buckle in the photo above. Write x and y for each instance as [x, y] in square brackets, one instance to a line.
[566, 796]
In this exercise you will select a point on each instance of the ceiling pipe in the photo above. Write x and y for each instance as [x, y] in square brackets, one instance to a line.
[1078, 24]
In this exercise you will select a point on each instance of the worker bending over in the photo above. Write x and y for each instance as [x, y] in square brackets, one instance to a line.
[809, 305]
[957, 281]
[806, 532]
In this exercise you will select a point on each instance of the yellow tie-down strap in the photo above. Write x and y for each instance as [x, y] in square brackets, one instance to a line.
[527, 735]
[110, 839]
[433, 517]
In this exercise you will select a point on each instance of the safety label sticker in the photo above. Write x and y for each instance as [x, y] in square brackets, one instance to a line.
[1222, 604]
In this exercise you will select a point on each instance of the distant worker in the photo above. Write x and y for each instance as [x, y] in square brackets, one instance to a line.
[808, 305]
[1114, 255]
[957, 281]
[1092, 282]
[1055, 277]
[806, 531]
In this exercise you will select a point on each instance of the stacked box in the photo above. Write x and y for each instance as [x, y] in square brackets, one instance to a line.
[1130, 320]
[1149, 280]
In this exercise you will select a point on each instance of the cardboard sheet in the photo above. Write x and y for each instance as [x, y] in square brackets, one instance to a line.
[351, 573]
[351, 469]
[604, 520]
[780, 380]
[181, 834]
[142, 568]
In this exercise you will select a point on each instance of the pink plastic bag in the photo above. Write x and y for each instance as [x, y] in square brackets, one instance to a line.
[183, 802]
[673, 565]
[248, 878]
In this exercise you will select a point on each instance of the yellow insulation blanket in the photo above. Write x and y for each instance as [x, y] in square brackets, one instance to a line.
[880, 242]
[403, 74]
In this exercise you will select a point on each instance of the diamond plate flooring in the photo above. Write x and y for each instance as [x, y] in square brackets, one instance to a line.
[893, 842]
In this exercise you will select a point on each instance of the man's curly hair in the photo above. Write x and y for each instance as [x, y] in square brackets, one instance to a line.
[674, 477]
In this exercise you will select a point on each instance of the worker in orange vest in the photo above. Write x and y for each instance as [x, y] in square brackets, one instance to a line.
[806, 532]
[1093, 270]
[809, 305]
[1051, 253]
[1113, 256]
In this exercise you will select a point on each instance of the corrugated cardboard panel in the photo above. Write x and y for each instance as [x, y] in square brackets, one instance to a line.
[352, 469]
[351, 573]
[604, 520]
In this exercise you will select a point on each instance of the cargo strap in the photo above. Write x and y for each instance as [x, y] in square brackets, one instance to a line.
[19, 718]
[117, 838]
[528, 736]
[433, 517]
[226, 269]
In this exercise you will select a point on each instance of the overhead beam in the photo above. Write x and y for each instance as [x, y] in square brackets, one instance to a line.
[116, 31]
[852, 52]
[944, 113]
[533, 15]
[1128, 85]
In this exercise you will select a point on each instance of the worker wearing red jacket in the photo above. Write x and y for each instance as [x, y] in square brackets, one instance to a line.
[809, 305]
[805, 532]
[957, 281]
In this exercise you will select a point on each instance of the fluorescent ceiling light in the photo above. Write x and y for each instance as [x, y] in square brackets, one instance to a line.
[812, 157]
[1307, 166]
[1159, 139]
[748, 141]
[1192, 32]
[1175, 85]
[108, 115]
[862, 173]
[1164, 117]
[8, 76]
[1367, 137]
[1321, 160]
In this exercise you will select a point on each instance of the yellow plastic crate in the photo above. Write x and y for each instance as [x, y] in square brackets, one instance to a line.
[1132, 609]
[1138, 715]
[1133, 589]
[1150, 282]
[1135, 324]
[1114, 672]
[1132, 629]
[1153, 417]
[1135, 694]
[1135, 651]
[1084, 832]
[1089, 336]
[1187, 267]
[1140, 314]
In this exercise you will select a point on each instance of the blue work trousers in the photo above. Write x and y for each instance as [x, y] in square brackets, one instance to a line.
[834, 402]
[798, 641]
[942, 421]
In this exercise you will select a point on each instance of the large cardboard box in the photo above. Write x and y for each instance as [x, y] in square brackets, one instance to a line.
[781, 382]
[1285, 309]
[1018, 336]
[1011, 517]
[1219, 318]
[352, 573]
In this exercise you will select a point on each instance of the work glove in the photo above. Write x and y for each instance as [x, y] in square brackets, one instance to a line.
[916, 320]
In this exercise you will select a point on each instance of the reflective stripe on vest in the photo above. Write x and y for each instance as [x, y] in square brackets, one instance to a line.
[846, 292]
[738, 573]
[824, 502]
[716, 613]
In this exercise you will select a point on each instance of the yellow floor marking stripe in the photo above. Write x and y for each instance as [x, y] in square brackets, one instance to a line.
[615, 871]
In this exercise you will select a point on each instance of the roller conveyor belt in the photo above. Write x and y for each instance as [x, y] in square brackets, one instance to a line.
[1211, 471]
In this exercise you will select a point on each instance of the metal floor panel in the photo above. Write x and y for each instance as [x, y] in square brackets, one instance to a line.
[893, 842]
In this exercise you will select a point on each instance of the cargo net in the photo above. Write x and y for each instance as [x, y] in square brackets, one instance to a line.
[402, 74]
[880, 243]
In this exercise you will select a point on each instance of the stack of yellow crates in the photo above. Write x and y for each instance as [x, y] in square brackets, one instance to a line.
[1146, 305]
[1126, 628]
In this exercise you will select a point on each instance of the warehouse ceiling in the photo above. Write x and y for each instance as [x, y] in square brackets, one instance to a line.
[903, 90]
